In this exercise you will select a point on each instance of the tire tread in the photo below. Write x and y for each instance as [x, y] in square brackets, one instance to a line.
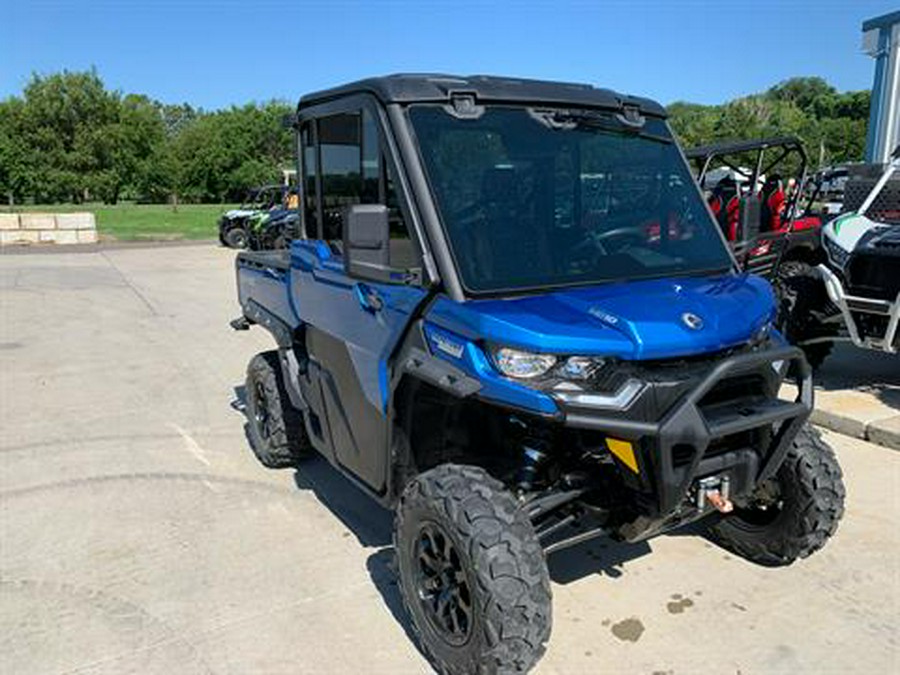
[507, 564]
[819, 493]
[288, 442]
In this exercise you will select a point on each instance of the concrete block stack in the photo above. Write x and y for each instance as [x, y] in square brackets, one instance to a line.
[47, 228]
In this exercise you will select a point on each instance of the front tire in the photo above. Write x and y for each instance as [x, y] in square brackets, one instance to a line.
[472, 573]
[793, 514]
[802, 296]
[236, 237]
[277, 431]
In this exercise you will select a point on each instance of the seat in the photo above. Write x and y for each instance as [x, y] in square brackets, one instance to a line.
[772, 200]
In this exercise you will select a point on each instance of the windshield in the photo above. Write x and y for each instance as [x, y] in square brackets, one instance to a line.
[535, 199]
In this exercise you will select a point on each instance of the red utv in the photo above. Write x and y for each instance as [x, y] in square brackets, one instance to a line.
[771, 233]
[754, 189]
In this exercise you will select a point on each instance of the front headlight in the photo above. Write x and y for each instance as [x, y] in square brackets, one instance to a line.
[837, 255]
[580, 367]
[548, 367]
[522, 365]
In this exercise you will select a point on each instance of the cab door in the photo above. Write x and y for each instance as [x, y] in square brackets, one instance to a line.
[352, 327]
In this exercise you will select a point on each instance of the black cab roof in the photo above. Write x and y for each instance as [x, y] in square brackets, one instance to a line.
[437, 88]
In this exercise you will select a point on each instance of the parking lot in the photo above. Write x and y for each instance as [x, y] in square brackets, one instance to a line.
[138, 534]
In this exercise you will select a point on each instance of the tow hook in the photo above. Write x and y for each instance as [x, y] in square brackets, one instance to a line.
[715, 490]
[722, 504]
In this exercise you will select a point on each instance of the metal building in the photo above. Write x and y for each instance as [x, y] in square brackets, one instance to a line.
[881, 40]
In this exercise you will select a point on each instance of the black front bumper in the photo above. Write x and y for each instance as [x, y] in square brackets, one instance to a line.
[729, 422]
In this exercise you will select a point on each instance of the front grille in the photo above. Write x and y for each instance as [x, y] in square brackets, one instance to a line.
[682, 453]
[734, 391]
[875, 275]
[741, 441]
[871, 325]
[733, 394]
[608, 378]
[889, 240]
[670, 380]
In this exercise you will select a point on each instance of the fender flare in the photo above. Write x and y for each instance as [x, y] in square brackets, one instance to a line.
[293, 364]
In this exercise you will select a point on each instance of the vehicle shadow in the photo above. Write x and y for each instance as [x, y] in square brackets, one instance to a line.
[367, 521]
[601, 556]
[863, 370]
[370, 523]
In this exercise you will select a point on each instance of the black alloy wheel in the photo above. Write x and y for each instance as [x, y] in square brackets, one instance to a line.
[762, 507]
[261, 413]
[442, 585]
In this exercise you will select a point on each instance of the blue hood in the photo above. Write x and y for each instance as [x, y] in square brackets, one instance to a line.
[633, 320]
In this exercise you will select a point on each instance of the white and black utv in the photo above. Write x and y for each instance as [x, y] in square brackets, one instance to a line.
[857, 289]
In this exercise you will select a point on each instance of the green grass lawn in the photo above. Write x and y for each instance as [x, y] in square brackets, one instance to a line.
[130, 222]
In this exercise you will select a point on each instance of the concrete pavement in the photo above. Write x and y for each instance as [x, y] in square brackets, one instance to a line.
[139, 535]
[858, 394]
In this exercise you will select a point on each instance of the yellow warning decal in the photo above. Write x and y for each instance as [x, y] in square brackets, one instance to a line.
[624, 451]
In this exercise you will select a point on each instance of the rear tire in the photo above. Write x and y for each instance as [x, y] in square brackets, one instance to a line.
[472, 573]
[808, 504]
[277, 430]
[236, 237]
[801, 294]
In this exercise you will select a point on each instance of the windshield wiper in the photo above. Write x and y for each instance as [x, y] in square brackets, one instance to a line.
[623, 123]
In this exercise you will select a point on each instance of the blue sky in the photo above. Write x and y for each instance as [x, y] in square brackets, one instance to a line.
[215, 54]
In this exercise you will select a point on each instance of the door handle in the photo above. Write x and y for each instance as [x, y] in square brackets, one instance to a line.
[369, 298]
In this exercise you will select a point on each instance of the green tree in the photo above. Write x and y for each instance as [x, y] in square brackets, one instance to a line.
[223, 154]
[17, 167]
[68, 138]
[832, 125]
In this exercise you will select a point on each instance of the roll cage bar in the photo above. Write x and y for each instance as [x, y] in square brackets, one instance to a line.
[889, 171]
[703, 156]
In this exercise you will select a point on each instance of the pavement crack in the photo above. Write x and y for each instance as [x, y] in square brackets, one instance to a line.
[130, 285]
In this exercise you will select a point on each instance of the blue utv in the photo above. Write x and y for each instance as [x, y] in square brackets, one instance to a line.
[510, 316]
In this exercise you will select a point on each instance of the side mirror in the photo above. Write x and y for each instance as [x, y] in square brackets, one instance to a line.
[367, 241]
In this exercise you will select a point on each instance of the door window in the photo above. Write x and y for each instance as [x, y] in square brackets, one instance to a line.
[354, 170]
[308, 180]
[340, 150]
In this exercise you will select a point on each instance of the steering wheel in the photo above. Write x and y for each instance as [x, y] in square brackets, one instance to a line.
[590, 247]
[628, 234]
